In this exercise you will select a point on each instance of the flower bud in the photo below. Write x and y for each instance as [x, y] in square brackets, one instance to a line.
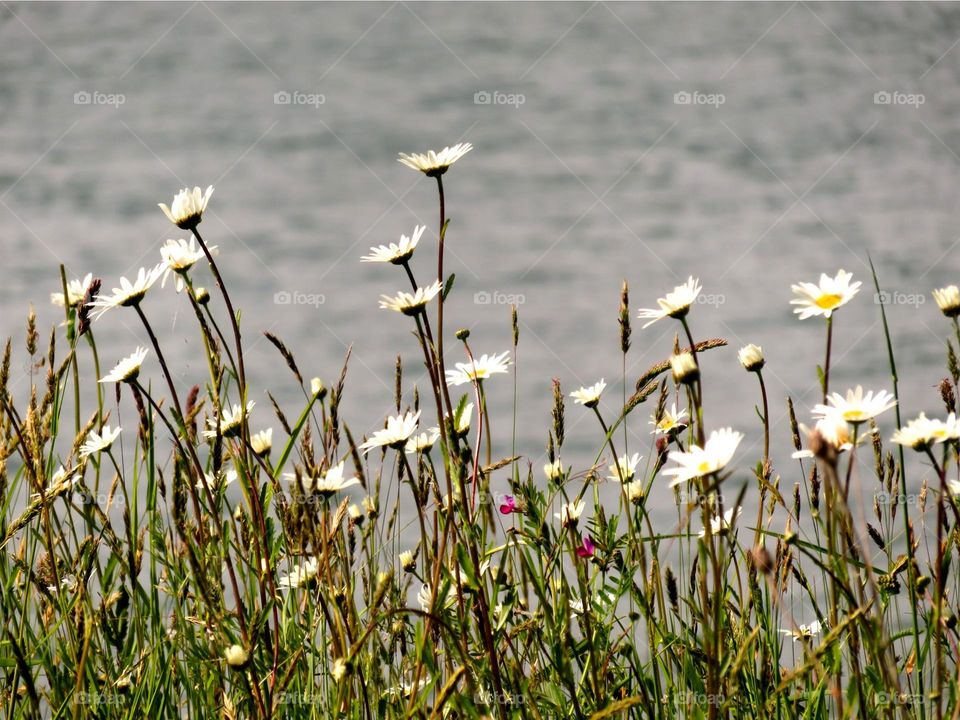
[236, 657]
[202, 295]
[948, 300]
[317, 389]
[751, 357]
[408, 561]
[684, 367]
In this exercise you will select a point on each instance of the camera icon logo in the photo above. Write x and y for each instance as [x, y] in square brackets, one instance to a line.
[82, 98]
[282, 297]
[482, 98]
[281, 98]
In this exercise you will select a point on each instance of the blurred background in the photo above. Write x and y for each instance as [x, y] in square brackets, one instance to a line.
[750, 145]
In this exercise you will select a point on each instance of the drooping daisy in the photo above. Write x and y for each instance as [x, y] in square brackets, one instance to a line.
[669, 420]
[218, 481]
[721, 525]
[922, 432]
[300, 574]
[823, 299]
[396, 253]
[684, 368]
[804, 632]
[229, 422]
[589, 396]
[698, 462]
[76, 289]
[833, 430]
[60, 482]
[570, 512]
[127, 369]
[554, 471]
[751, 357]
[948, 300]
[330, 483]
[262, 442]
[676, 304]
[179, 256]
[434, 164]
[97, 442]
[625, 468]
[395, 434]
[480, 369]
[129, 293]
[424, 441]
[444, 601]
[856, 407]
[410, 303]
[186, 210]
[634, 491]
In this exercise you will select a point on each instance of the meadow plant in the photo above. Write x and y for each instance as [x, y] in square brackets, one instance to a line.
[163, 557]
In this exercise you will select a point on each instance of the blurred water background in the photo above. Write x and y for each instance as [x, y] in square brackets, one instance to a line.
[751, 145]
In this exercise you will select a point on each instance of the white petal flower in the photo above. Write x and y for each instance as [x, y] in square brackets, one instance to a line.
[570, 512]
[300, 574]
[97, 442]
[948, 300]
[76, 289]
[676, 304]
[625, 468]
[425, 598]
[751, 357]
[129, 293]
[721, 525]
[684, 367]
[186, 210]
[712, 457]
[127, 369]
[669, 420]
[433, 164]
[229, 422]
[395, 435]
[804, 632]
[179, 256]
[219, 481]
[823, 299]
[856, 407]
[410, 303]
[262, 442]
[554, 471]
[833, 430]
[329, 483]
[634, 491]
[589, 396]
[462, 423]
[423, 441]
[480, 369]
[922, 432]
[396, 253]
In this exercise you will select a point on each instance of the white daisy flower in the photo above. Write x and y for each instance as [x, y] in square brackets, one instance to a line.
[480, 369]
[684, 367]
[670, 420]
[229, 422]
[186, 210]
[97, 442]
[219, 481]
[60, 482]
[299, 575]
[262, 442]
[676, 304]
[462, 423]
[721, 525]
[948, 300]
[625, 468]
[922, 432]
[433, 164]
[589, 396]
[634, 491]
[395, 434]
[129, 293]
[330, 483]
[127, 369]
[826, 297]
[76, 290]
[833, 429]
[712, 457]
[410, 303]
[425, 598]
[856, 407]
[179, 256]
[804, 632]
[570, 512]
[554, 471]
[751, 357]
[423, 441]
[396, 253]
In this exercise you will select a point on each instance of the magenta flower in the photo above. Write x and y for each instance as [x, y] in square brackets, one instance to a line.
[509, 505]
[587, 548]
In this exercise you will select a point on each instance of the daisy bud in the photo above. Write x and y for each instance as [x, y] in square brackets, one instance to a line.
[370, 506]
[751, 357]
[462, 334]
[236, 657]
[339, 669]
[201, 295]
[948, 300]
[684, 367]
[355, 513]
[408, 561]
[317, 389]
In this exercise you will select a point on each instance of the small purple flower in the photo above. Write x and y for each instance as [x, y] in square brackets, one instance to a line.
[587, 548]
[509, 505]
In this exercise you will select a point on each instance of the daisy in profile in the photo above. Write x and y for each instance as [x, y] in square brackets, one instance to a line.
[831, 429]
[396, 253]
[129, 293]
[262, 442]
[751, 357]
[856, 407]
[410, 303]
[554, 471]
[434, 164]
[76, 290]
[948, 300]
[676, 304]
[97, 442]
[229, 422]
[823, 299]
[923, 432]
[712, 457]
[218, 481]
[634, 491]
[186, 210]
[625, 469]
[300, 574]
[479, 369]
[179, 256]
[330, 483]
[395, 434]
[589, 396]
[127, 369]
[570, 513]
[670, 420]
[804, 632]
[721, 525]
[444, 601]
[462, 419]
[423, 442]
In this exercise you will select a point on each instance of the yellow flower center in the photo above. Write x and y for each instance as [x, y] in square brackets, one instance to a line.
[704, 467]
[828, 301]
[855, 415]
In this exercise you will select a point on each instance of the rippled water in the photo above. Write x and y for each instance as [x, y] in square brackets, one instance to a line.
[785, 164]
